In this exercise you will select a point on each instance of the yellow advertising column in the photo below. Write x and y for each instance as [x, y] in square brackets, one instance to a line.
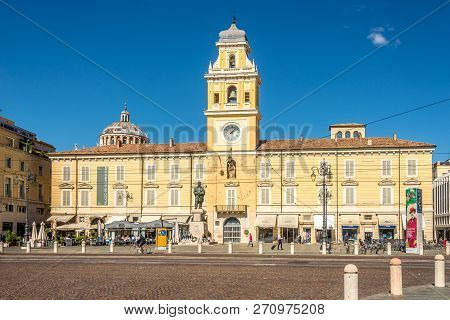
[161, 238]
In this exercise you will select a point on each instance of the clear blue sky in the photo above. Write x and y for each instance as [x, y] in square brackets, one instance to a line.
[162, 48]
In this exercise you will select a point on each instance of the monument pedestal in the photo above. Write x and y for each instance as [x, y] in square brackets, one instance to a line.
[198, 226]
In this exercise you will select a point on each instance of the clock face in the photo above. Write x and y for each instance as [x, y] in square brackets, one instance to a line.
[231, 132]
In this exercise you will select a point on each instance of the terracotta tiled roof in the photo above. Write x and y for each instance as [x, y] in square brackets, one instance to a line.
[327, 143]
[347, 125]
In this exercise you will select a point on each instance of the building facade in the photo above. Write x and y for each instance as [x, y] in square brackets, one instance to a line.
[263, 187]
[441, 201]
[22, 153]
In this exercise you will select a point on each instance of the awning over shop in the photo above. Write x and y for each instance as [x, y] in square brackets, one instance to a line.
[178, 218]
[122, 225]
[61, 218]
[266, 220]
[287, 221]
[350, 220]
[115, 218]
[387, 221]
[72, 226]
[318, 221]
[146, 218]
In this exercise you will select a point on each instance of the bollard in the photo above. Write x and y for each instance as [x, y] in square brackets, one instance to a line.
[2, 250]
[439, 271]
[389, 249]
[292, 248]
[396, 277]
[111, 247]
[28, 247]
[420, 249]
[261, 251]
[169, 249]
[447, 248]
[230, 247]
[199, 247]
[324, 248]
[356, 249]
[55, 247]
[350, 282]
[83, 246]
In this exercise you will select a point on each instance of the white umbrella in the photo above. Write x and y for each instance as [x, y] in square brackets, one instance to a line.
[42, 237]
[33, 234]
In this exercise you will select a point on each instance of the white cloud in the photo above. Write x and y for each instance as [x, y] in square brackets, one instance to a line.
[378, 36]
[377, 39]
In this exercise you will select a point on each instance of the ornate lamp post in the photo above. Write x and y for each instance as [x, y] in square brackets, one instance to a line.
[29, 178]
[324, 172]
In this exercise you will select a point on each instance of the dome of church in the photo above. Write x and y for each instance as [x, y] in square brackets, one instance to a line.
[123, 132]
[232, 34]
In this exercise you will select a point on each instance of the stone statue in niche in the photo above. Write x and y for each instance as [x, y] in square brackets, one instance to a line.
[231, 168]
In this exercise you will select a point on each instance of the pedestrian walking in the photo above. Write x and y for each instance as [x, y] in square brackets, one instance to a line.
[280, 242]
[250, 240]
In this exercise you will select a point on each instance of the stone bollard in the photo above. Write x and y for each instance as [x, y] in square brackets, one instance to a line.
[83, 246]
[350, 282]
[199, 247]
[169, 247]
[396, 277]
[439, 271]
[261, 251]
[2, 250]
[447, 248]
[292, 248]
[230, 247]
[324, 248]
[420, 249]
[389, 249]
[356, 249]
[28, 247]
[55, 247]
[111, 247]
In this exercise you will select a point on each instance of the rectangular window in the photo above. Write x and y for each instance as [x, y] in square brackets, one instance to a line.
[411, 168]
[151, 172]
[349, 195]
[20, 229]
[7, 226]
[120, 198]
[22, 209]
[40, 192]
[264, 196]
[199, 171]
[102, 186]
[289, 195]
[8, 163]
[264, 170]
[216, 98]
[66, 174]
[174, 171]
[85, 174]
[120, 173]
[231, 197]
[22, 165]
[84, 198]
[66, 194]
[8, 187]
[290, 169]
[174, 197]
[386, 195]
[151, 197]
[386, 168]
[349, 169]
[247, 97]
[41, 171]
[21, 190]
[9, 208]
[10, 142]
[40, 211]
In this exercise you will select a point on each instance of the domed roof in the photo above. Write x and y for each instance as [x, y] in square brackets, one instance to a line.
[124, 126]
[232, 34]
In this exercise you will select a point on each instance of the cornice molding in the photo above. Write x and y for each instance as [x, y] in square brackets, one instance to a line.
[265, 184]
[411, 182]
[386, 182]
[349, 182]
[174, 185]
[66, 185]
[232, 184]
[119, 185]
[151, 185]
[84, 185]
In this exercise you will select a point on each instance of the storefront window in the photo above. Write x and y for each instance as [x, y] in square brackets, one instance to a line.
[387, 233]
[290, 234]
[350, 233]
[265, 235]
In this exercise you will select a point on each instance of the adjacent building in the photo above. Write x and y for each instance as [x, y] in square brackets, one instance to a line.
[22, 153]
[263, 187]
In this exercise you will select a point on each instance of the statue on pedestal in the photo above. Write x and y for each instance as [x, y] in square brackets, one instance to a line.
[231, 168]
[199, 192]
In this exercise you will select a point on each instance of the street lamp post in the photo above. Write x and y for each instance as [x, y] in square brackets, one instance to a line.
[29, 178]
[324, 171]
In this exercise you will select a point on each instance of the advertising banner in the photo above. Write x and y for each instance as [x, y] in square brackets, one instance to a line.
[413, 221]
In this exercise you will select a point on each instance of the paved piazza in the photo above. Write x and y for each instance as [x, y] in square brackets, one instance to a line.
[187, 275]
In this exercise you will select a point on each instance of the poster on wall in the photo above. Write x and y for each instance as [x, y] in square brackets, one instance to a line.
[413, 221]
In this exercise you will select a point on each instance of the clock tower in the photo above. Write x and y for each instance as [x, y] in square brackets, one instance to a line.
[233, 95]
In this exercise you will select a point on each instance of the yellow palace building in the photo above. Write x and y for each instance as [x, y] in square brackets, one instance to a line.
[262, 187]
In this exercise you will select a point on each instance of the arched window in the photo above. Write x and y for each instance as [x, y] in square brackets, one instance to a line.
[232, 230]
[232, 94]
[356, 134]
[112, 140]
[124, 140]
[339, 135]
[231, 61]
[347, 134]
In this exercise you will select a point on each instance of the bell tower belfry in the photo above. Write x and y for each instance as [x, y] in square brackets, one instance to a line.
[233, 95]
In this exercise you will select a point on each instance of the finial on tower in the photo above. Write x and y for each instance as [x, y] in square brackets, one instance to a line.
[234, 20]
[125, 103]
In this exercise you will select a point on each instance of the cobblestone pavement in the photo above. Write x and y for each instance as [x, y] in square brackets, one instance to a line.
[74, 276]
[426, 292]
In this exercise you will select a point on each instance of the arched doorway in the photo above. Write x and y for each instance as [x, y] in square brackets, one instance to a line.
[232, 230]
